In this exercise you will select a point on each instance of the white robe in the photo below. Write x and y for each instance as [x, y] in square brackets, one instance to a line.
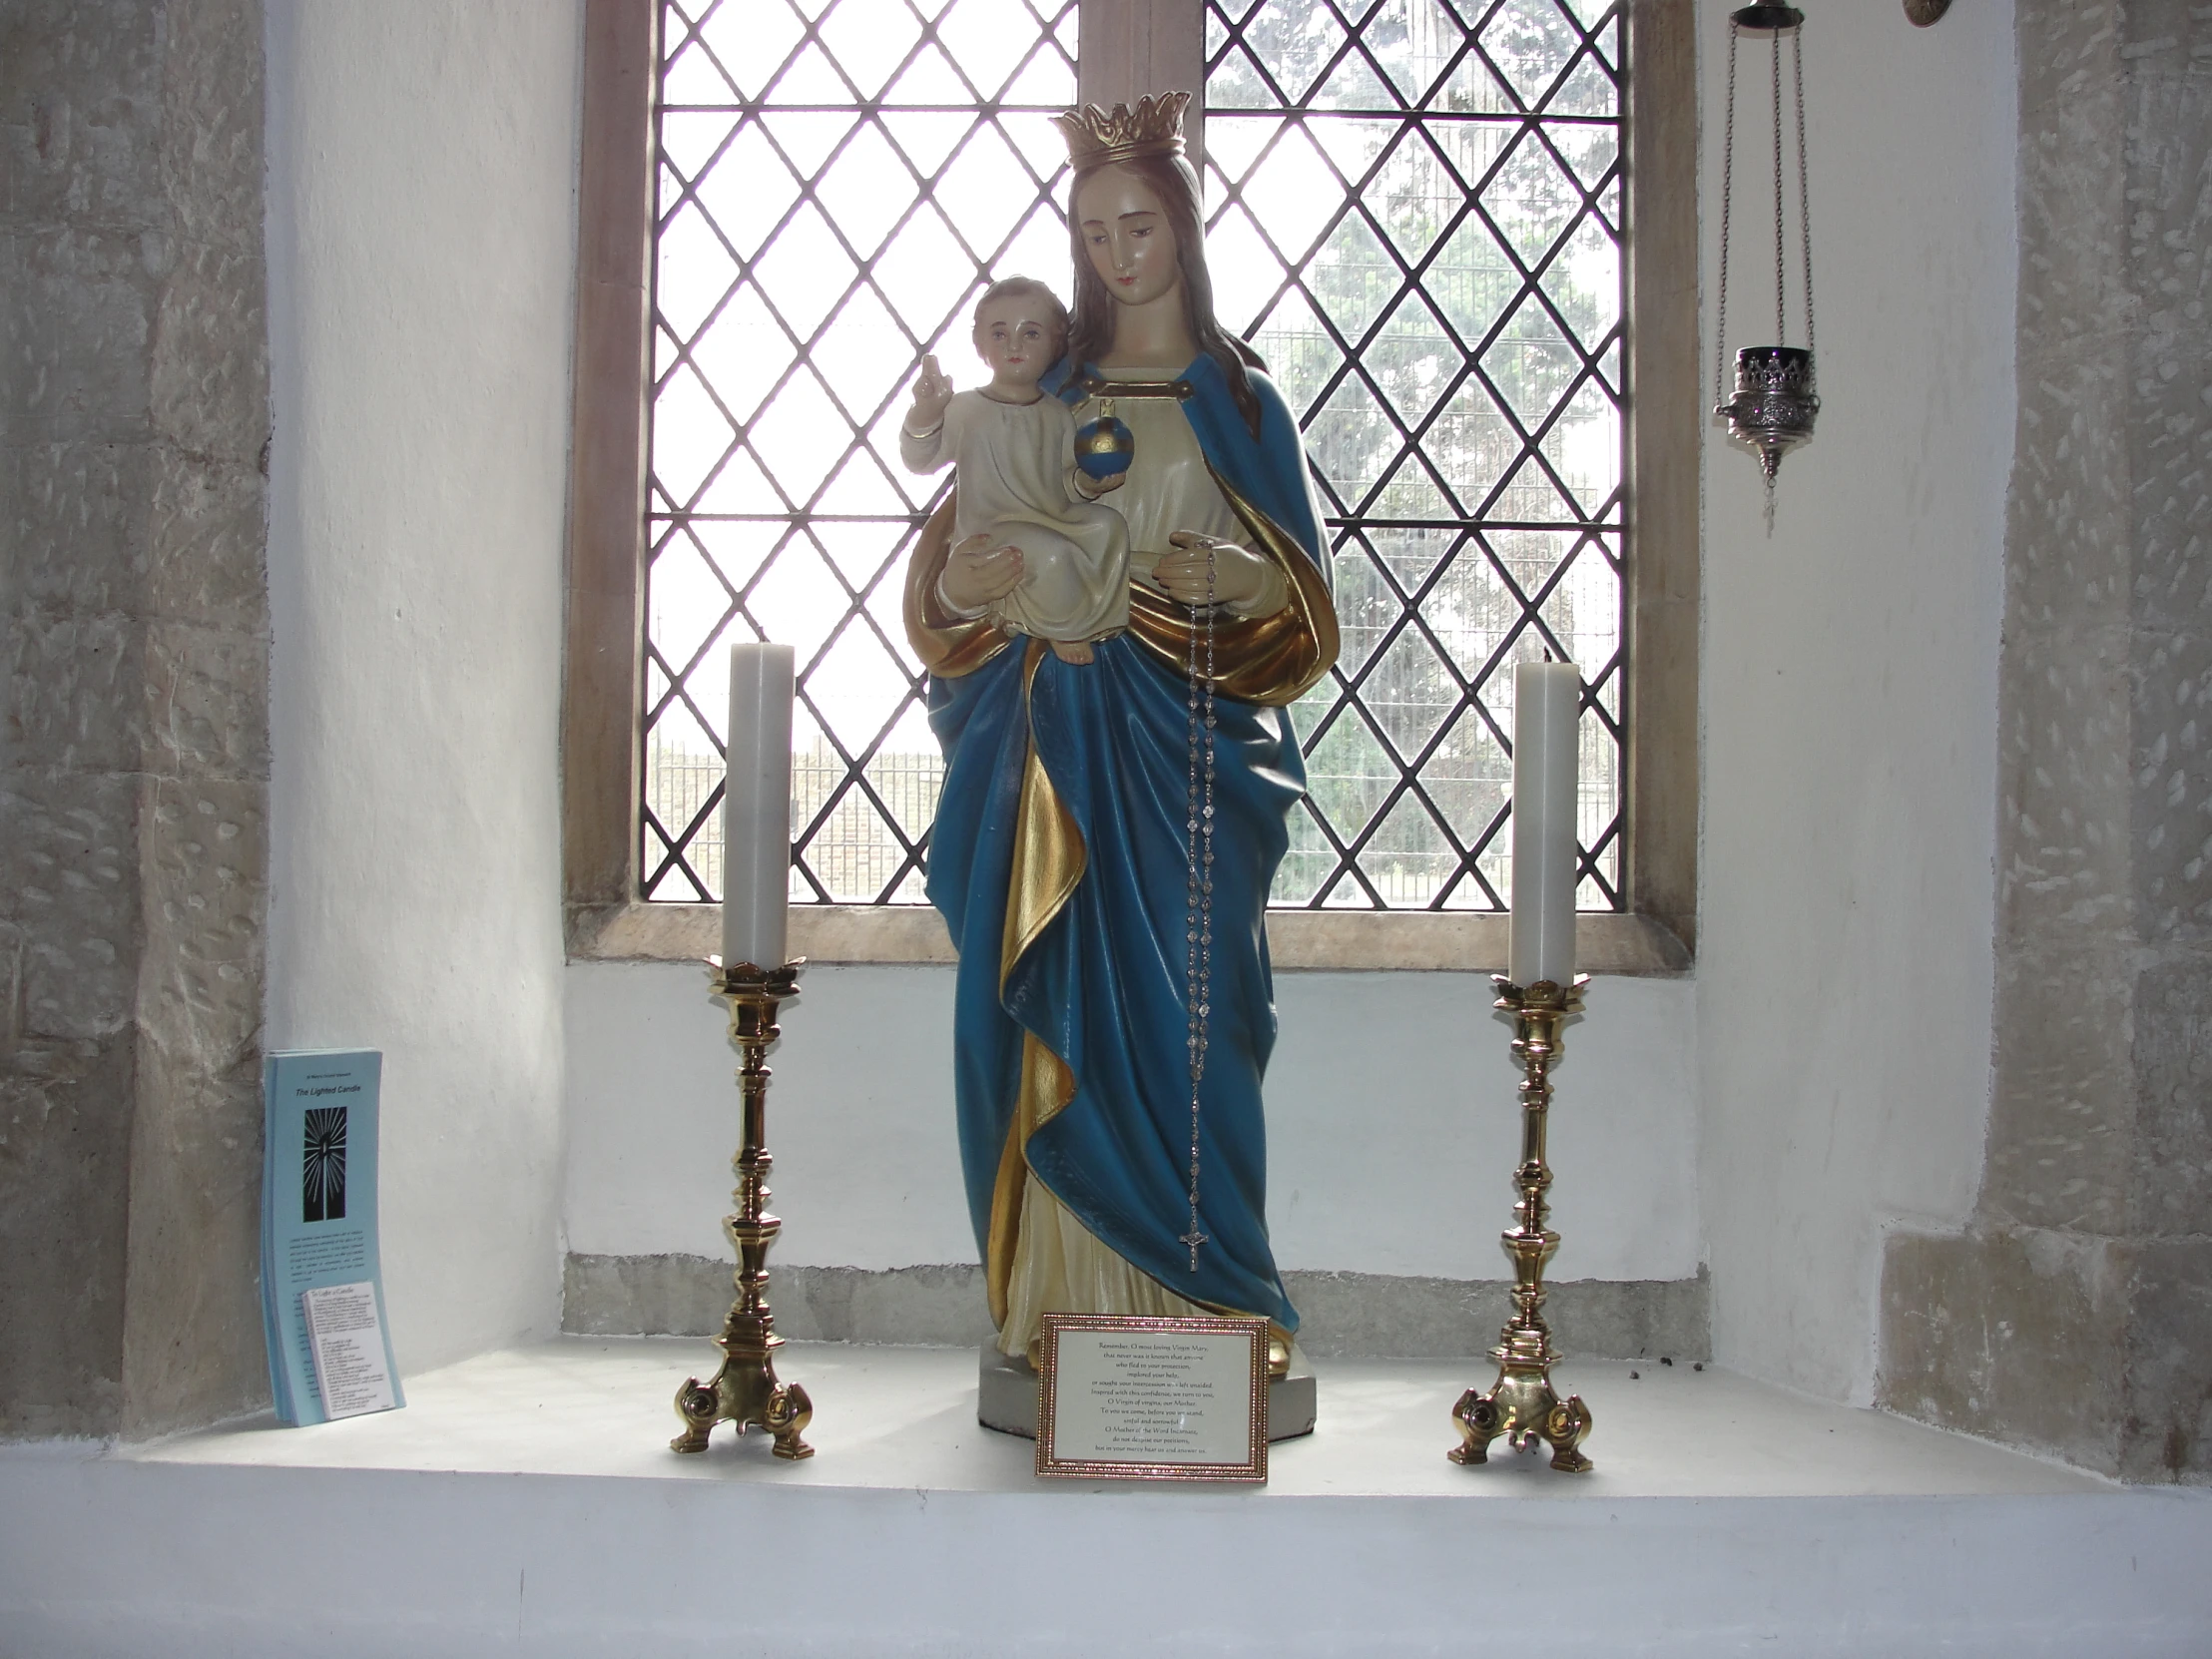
[1014, 465]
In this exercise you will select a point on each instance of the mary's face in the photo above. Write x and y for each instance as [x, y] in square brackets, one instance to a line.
[1128, 237]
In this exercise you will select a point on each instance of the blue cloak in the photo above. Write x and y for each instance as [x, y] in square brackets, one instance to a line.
[1064, 802]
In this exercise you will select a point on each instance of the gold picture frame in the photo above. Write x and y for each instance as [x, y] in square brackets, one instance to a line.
[1131, 1398]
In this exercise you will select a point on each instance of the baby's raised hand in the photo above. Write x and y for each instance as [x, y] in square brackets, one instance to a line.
[932, 392]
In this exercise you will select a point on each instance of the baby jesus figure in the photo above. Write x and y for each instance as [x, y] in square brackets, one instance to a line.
[1014, 453]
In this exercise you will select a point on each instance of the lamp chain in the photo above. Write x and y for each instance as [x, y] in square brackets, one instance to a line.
[1781, 282]
[1728, 196]
[1804, 194]
[1805, 199]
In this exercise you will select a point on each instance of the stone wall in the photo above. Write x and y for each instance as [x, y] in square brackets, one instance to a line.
[134, 724]
[2076, 1312]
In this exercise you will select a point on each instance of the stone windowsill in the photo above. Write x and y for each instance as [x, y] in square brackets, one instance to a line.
[1299, 940]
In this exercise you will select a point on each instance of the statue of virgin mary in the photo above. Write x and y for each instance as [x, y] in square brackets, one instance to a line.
[1060, 857]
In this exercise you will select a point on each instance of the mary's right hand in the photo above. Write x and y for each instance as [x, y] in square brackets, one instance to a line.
[977, 574]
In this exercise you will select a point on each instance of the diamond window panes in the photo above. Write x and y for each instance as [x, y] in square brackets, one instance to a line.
[1416, 216]
[838, 178]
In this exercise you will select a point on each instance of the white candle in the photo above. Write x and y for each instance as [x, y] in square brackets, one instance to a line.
[757, 808]
[1546, 701]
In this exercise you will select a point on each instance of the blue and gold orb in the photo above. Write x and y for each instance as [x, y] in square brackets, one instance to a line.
[1104, 446]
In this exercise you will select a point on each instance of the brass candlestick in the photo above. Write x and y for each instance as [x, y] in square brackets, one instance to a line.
[745, 1390]
[1522, 1405]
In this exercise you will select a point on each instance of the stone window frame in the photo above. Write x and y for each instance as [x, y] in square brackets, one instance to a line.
[1126, 47]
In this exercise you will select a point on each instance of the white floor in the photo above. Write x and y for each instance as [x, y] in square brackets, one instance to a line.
[526, 1502]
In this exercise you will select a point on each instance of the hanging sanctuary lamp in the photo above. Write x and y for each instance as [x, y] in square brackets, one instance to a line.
[1774, 405]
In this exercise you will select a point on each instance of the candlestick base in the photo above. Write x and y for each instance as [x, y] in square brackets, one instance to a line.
[1522, 1404]
[745, 1391]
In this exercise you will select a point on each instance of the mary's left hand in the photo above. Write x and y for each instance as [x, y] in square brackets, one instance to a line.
[1239, 574]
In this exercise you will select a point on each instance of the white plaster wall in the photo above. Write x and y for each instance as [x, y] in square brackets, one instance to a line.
[1393, 1125]
[421, 245]
[1850, 700]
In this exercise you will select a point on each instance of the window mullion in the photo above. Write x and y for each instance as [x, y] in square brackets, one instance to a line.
[1132, 48]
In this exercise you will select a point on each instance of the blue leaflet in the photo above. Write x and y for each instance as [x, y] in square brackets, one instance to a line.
[318, 1207]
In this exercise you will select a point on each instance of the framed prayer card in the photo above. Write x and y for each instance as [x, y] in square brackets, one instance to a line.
[1123, 1398]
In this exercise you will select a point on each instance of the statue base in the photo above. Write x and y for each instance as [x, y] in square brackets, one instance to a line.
[1006, 1396]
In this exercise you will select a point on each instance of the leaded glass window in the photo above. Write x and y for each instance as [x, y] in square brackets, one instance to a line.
[1416, 216]
[835, 180]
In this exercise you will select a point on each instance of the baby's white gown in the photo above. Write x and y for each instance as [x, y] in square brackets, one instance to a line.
[1014, 462]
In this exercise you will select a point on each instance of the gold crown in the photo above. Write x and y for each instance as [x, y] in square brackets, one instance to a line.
[1096, 139]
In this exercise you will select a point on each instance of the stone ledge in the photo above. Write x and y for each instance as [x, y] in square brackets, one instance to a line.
[1421, 941]
[2070, 1345]
[1345, 1314]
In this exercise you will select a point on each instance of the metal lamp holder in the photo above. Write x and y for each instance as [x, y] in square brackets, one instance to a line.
[1774, 404]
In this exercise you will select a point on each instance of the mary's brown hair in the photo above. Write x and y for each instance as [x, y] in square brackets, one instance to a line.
[1092, 331]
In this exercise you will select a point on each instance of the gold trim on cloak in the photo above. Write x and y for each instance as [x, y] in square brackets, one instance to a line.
[1272, 659]
[949, 646]
[1049, 846]
[1048, 861]
[1046, 1086]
